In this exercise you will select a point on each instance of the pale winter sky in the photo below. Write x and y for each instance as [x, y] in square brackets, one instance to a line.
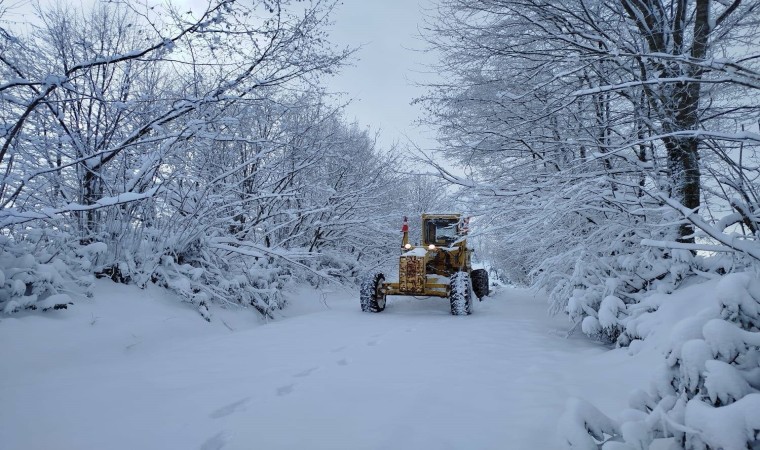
[382, 79]
[385, 68]
[381, 82]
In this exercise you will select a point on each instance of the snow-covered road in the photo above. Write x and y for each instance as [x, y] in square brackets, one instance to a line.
[412, 377]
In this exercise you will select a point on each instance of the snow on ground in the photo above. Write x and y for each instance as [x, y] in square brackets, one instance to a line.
[134, 369]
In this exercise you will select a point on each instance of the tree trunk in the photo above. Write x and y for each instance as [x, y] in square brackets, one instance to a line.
[686, 151]
[683, 102]
[683, 162]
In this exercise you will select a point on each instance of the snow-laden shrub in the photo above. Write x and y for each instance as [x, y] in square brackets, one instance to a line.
[332, 265]
[707, 393]
[599, 289]
[40, 273]
[201, 274]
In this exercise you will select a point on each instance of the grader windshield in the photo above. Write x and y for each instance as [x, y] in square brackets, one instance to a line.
[441, 231]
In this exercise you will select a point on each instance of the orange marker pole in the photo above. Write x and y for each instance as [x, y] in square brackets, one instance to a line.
[405, 230]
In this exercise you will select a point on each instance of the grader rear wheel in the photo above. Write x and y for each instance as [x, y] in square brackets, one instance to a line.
[479, 282]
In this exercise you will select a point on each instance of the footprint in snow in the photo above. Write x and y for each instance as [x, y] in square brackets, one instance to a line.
[339, 349]
[342, 362]
[229, 409]
[215, 442]
[285, 390]
[372, 343]
[306, 372]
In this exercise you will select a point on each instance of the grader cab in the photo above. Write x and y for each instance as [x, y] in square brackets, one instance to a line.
[439, 267]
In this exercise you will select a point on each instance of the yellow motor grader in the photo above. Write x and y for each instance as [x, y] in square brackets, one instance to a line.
[439, 267]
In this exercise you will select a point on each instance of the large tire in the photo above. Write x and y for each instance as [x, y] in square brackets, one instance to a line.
[480, 283]
[460, 294]
[371, 295]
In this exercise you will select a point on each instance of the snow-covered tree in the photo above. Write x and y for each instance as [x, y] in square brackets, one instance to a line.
[196, 151]
[587, 127]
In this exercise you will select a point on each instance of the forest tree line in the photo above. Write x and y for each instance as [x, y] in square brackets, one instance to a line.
[197, 150]
[611, 145]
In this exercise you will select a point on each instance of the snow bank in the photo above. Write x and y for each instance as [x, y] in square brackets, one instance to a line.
[707, 393]
[108, 372]
[584, 427]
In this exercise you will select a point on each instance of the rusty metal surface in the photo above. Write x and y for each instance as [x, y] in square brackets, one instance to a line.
[431, 288]
[411, 274]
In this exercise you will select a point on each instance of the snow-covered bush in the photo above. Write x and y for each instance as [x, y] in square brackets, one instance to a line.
[43, 272]
[602, 270]
[608, 289]
[707, 393]
[228, 282]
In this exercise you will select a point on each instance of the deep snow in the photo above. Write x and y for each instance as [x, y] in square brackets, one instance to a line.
[134, 369]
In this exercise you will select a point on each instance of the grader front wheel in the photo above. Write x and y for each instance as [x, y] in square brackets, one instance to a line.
[371, 295]
[460, 294]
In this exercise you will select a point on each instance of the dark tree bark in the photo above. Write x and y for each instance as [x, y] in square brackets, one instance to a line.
[651, 19]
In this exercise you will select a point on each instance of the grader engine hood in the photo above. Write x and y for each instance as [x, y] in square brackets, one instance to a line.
[411, 271]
